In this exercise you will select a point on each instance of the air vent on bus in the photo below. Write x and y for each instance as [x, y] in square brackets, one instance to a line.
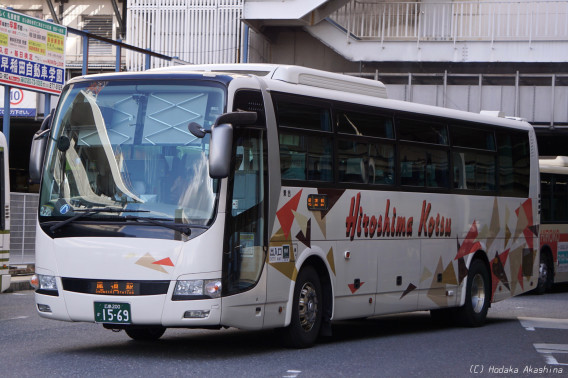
[329, 80]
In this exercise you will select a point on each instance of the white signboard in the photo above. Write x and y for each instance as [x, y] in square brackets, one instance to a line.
[22, 103]
[32, 53]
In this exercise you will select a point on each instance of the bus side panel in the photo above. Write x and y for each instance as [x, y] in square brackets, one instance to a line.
[439, 277]
[356, 281]
[555, 238]
[246, 310]
[398, 274]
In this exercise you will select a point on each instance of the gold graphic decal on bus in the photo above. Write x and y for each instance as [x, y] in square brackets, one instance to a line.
[148, 261]
[331, 261]
[444, 275]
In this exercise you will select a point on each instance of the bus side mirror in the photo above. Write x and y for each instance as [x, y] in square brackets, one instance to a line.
[221, 144]
[220, 149]
[37, 151]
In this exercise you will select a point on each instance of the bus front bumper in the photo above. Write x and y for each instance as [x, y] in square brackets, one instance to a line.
[143, 310]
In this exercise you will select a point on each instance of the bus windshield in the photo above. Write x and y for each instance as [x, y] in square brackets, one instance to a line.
[125, 145]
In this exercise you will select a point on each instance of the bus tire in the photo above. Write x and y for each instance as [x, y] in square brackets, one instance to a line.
[477, 297]
[307, 309]
[145, 333]
[545, 274]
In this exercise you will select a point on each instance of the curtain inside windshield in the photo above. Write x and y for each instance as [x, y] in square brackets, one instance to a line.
[126, 144]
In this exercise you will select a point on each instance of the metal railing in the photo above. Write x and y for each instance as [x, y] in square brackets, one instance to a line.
[455, 21]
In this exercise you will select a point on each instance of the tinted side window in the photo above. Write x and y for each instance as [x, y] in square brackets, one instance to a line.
[250, 101]
[472, 137]
[305, 157]
[560, 198]
[302, 113]
[422, 131]
[423, 167]
[474, 170]
[514, 163]
[473, 158]
[364, 124]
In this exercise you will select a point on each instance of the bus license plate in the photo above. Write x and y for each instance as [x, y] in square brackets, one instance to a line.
[115, 313]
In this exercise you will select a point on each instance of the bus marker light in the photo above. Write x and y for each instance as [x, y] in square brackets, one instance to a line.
[347, 255]
[34, 281]
[317, 202]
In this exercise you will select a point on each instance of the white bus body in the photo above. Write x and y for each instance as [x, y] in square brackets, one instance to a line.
[554, 222]
[4, 216]
[339, 203]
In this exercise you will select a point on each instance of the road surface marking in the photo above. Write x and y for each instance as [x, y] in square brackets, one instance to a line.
[531, 323]
[15, 318]
[547, 351]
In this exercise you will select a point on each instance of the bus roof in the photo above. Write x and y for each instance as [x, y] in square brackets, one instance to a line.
[294, 75]
[318, 83]
[556, 165]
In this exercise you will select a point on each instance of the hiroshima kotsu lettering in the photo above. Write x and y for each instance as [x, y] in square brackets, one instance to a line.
[393, 225]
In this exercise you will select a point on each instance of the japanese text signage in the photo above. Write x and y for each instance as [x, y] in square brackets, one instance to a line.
[32, 53]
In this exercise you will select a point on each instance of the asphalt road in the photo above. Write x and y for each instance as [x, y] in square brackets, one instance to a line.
[524, 336]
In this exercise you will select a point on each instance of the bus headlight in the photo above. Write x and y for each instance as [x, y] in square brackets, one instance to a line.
[197, 289]
[44, 284]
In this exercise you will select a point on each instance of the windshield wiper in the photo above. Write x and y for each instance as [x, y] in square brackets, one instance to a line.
[183, 228]
[85, 212]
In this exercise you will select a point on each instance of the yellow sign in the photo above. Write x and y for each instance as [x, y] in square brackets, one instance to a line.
[35, 47]
[55, 42]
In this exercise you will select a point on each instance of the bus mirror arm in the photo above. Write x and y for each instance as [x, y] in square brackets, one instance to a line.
[234, 118]
[237, 118]
[37, 151]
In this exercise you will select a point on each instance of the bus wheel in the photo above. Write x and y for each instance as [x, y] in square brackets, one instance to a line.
[145, 333]
[544, 274]
[306, 311]
[478, 296]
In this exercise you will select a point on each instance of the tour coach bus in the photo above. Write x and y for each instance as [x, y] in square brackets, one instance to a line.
[4, 216]
[275, 197]
[554, 226]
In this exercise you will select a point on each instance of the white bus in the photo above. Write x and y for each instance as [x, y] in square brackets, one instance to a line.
[276, 197]
[554, 223]
[4, 216]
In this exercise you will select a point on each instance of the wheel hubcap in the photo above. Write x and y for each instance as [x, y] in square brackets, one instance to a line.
[542, 273]
[308, 306]
[477, 293]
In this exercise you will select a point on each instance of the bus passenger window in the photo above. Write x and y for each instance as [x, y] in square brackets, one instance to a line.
[437, 169]
[305, 157]
[412, 163]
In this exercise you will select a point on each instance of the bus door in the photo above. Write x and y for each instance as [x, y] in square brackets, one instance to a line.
[245, 236]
